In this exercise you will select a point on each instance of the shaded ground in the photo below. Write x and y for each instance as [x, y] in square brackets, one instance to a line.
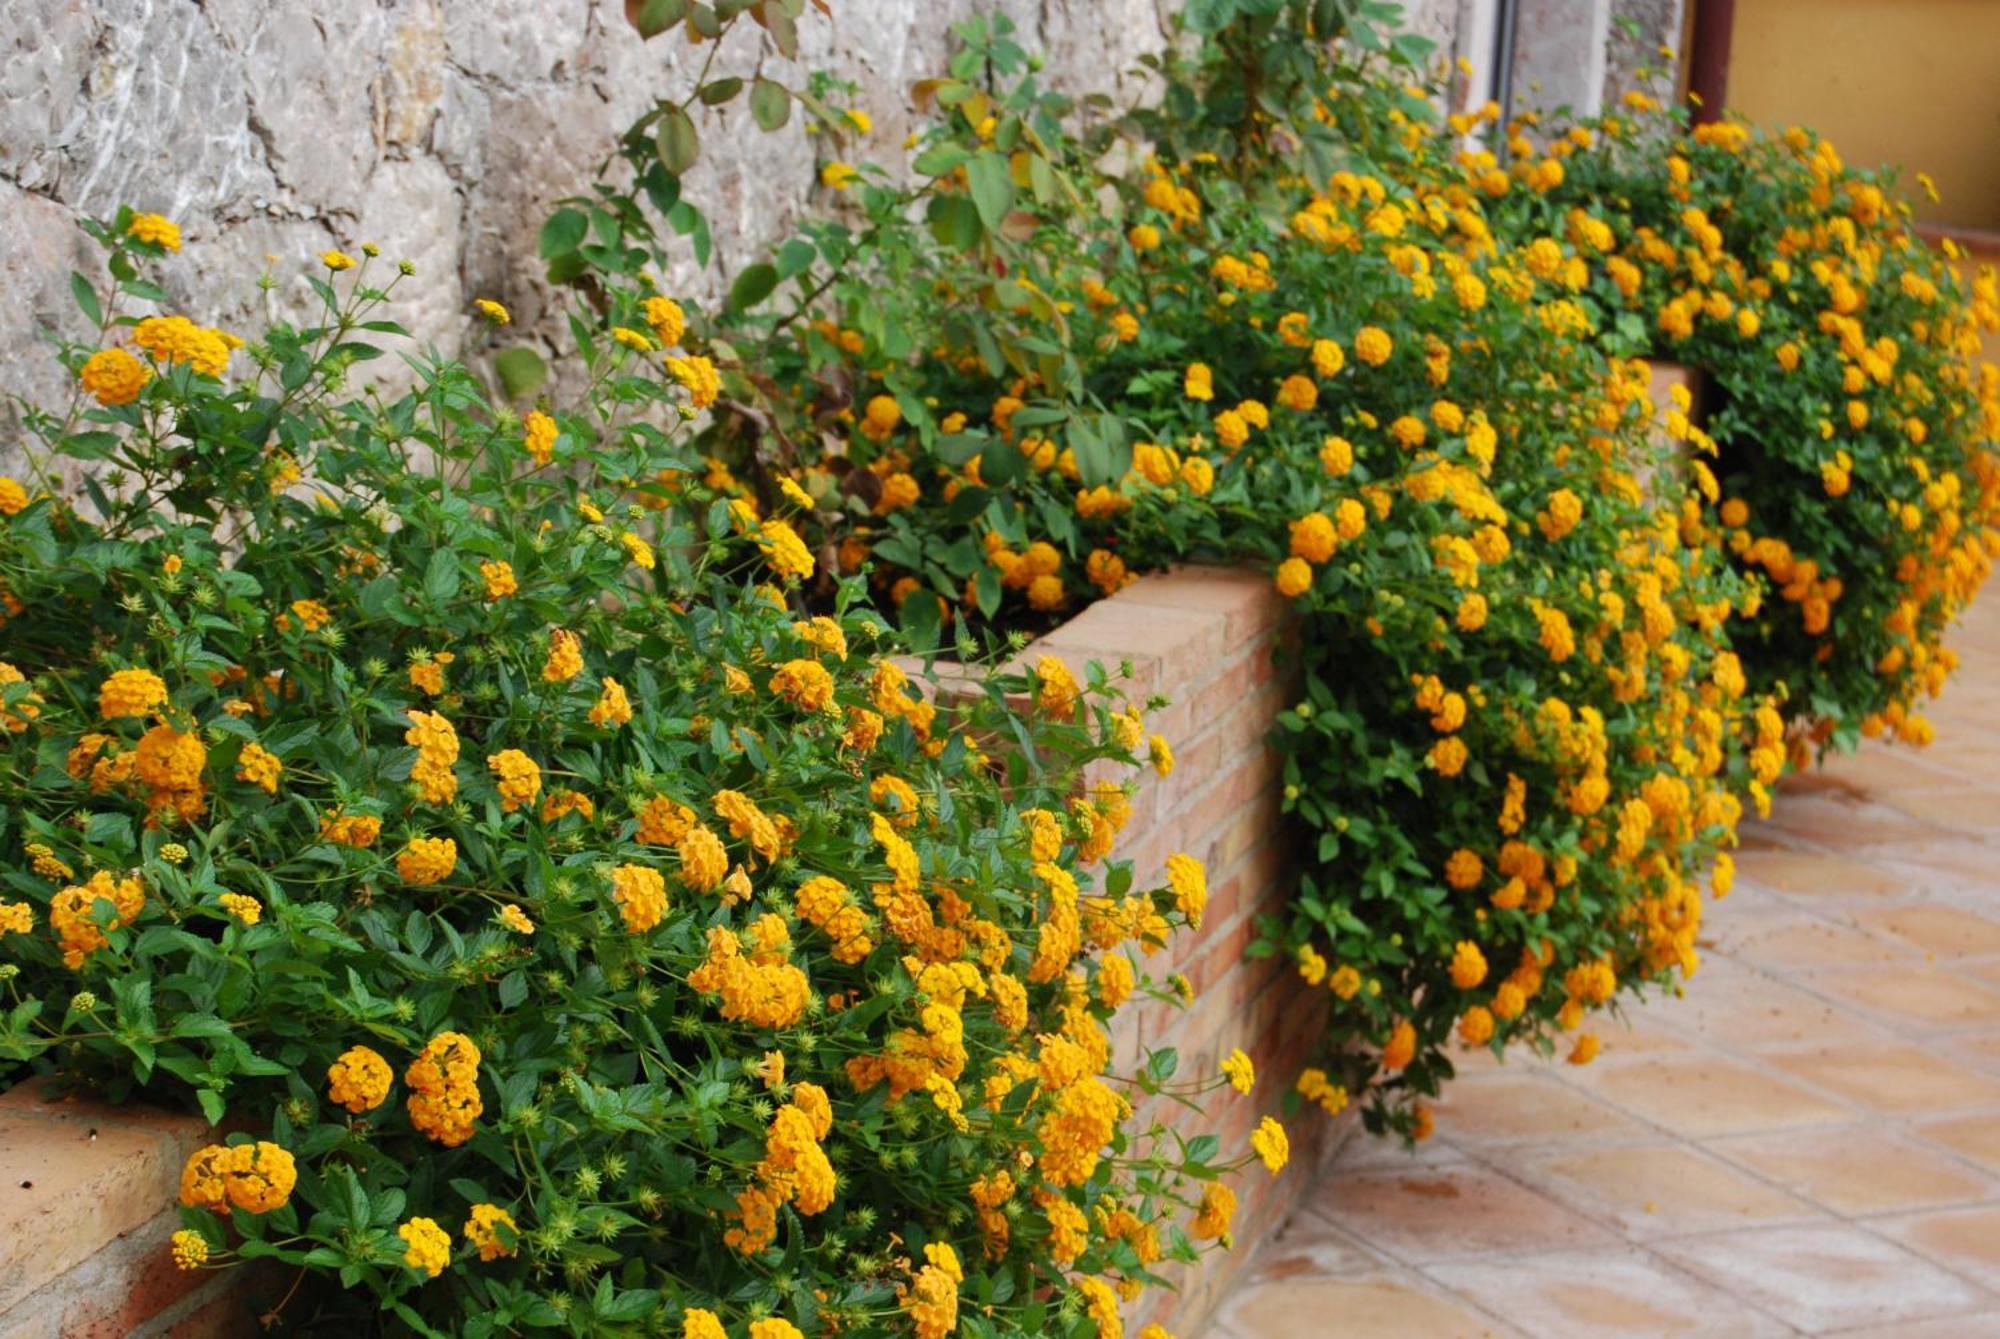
[1808, 1143]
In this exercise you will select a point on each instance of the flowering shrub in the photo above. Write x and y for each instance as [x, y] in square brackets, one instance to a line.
[570, 932]
[1850, 463]
[1522, 739]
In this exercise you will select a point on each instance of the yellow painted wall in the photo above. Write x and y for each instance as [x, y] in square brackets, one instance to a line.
[1914, 82]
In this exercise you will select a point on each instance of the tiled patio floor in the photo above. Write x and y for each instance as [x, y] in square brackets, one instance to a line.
[1807, 1143]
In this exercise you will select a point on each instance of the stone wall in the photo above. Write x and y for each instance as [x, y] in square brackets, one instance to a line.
[442, 130]
[445, 130]
[1584, 54]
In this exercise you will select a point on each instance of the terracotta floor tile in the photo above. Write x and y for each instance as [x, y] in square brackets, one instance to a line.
[1787, 943]
[1923, 994]
[1967, 1240]
[1983, 970]
[1888, 775]
[1975, 1138]
[1441, 1212]
[1981, 1325]
[1826, 1278]
[1643, 1031]
[1382, 1308]
[1369, 1154]
[1950, 864]
[1893, 1174]
[1895, 1078]
[1969, 809]
[1983, 1053]
[1810, 874]
[1842, 819]
[1737, 1006]
[1502, 1108]
[1602, 1294]
[1310, 1247]
[1659, 1189]
[1934, 927]
[1715, 1097]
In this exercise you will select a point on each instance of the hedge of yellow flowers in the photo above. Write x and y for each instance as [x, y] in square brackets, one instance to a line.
[1308, 329]
[571, 931]
[1521, 743]
[1847, 461]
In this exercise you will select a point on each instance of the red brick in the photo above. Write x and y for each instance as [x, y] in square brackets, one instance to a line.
[1219, 953]
[1216, 699]
[1196, 762]
[146, 1284]
[1184, 643]
[1079, 651]
[1245, 598]
[76, 1175]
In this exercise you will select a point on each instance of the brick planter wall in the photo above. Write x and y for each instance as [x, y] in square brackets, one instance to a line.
[87, 1190]
[87, 1202]
[1206, 637]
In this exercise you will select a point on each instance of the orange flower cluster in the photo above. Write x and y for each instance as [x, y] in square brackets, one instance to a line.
[444, 1100]
[794, 1171]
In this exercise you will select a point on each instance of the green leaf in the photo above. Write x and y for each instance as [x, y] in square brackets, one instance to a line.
[441, 577]
[992, 188]
[653, 17]
[1208, 16]
[90, 445]
[563, 233]
[955, 222]
[86, 298]
[1002, 463]
[678, 144]
[521, 370]
[752, 286]
[795, 256]
[956, 448]
[111, 830]
[353, 1203]
[965, 508]
[718, 91]
[770, 104]
[939, 159]
[783, 28]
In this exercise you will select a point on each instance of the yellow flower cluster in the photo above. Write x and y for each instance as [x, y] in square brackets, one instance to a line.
[359, 1080]
[256, 1177]
[763, 986]
[444, 1101]
[73, 915]
[794, 1171]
